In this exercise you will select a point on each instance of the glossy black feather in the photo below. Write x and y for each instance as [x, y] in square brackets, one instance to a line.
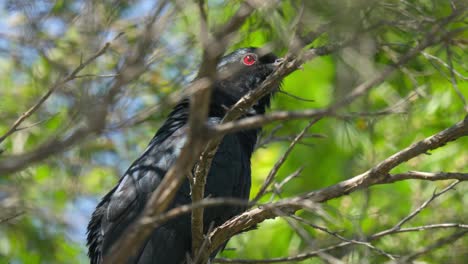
[229, 175]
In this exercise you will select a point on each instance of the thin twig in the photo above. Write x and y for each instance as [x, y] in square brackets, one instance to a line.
[272, 174]
[11, 217]
[453, 78]
[353, 241]
[415, 212]
[439, 243]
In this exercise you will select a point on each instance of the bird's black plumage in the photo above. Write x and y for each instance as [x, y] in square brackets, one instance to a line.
[229, 175]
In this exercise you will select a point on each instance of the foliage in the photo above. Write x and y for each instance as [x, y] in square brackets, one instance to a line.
[44, 207]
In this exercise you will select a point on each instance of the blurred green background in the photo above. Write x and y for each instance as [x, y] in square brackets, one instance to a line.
[44, 208]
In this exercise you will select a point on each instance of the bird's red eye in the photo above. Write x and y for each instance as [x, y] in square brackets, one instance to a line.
[249, 59]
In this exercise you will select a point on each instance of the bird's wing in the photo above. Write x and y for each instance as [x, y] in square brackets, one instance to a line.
[124, 203]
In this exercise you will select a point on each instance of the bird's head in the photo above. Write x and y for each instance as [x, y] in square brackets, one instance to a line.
[242, 71]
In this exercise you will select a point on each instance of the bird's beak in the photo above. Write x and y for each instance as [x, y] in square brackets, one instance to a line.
[278, 62]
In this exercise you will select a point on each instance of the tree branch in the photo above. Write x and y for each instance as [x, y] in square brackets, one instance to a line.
[377, 175]
[160, 199]
[439, 243]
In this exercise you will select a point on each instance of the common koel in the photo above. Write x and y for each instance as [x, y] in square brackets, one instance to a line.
[229, 175]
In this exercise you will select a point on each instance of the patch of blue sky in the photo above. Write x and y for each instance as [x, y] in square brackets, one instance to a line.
[139, 9]
[77, 215]
[54, 26]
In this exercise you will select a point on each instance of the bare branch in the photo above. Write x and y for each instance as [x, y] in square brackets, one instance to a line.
[430, 176]
[305, 235]
[376, 175]
[272, 174]
[297, 257]
[340, 237]
[415, 212]
[428, 227]
[199, 107]
[213, 48]
[439, 243]
[348, 242]
[453, 79]
[11, 217]
[137, 233]
[443, 63]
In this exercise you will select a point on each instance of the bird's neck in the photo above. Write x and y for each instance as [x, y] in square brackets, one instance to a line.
[220, 103]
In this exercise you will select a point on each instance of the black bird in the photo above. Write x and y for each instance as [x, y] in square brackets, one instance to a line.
[229, 175]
